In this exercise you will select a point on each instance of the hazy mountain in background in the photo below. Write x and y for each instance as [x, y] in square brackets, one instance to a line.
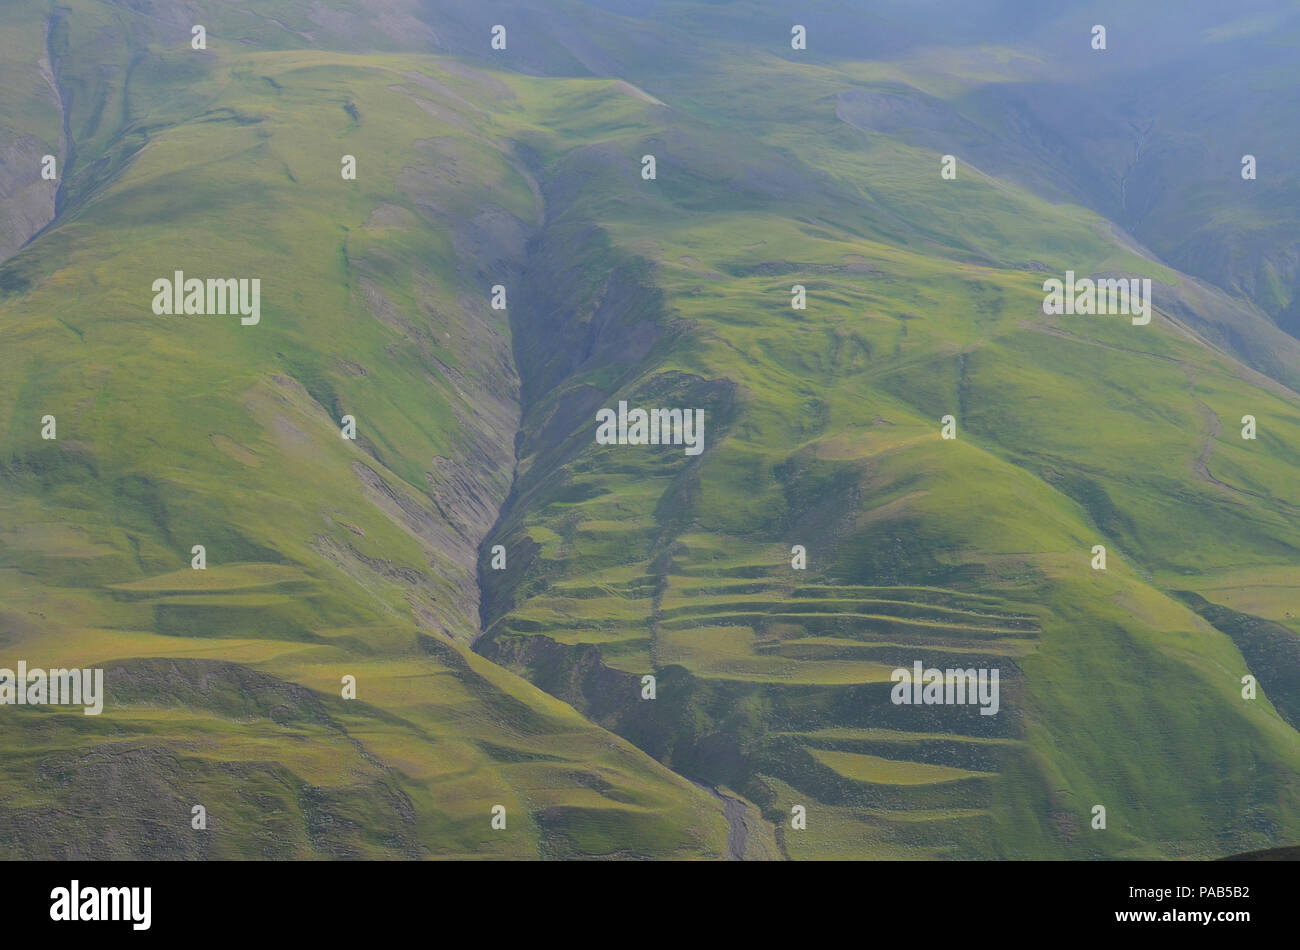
[523, 687]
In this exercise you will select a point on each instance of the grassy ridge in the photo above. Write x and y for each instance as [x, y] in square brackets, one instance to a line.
[924, 300]
[330, 558]
[325, 558]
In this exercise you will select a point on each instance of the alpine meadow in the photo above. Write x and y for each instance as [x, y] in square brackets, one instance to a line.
[649, 429]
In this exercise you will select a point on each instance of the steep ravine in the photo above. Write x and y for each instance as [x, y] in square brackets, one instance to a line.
[28, 202]
[586, 309]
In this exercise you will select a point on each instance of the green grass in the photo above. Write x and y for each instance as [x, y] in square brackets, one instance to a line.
[924, 299]
[177, 431]
[328, 558]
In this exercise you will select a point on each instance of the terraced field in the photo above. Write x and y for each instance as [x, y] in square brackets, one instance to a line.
[829, 532]
[814, 663]
[824, 431]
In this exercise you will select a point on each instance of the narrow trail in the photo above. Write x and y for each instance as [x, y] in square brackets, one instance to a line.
[734, 810]
[1202, 464]
[1214, 427]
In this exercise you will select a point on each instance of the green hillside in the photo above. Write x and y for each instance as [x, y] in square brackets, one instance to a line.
[924, 300]
[329, 558]
[325, 558]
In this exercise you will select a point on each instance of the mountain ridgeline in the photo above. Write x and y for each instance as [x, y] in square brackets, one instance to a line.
[829, 250]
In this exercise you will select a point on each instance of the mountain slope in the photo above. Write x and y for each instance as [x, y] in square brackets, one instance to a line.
[924, 300]
[329, 558]
[325, 558]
